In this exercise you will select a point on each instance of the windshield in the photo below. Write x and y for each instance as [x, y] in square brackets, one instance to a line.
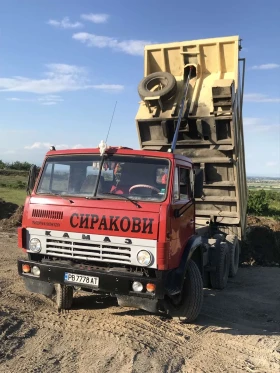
[136, 177]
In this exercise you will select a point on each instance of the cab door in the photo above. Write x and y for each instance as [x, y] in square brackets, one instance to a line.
[182, 214]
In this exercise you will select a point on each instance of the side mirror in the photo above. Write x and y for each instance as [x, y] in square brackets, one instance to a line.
[31, 179]
[198, 183]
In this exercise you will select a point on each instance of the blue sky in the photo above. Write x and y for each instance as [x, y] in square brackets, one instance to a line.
[64, 64]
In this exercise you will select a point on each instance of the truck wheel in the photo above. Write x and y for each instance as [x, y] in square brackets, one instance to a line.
[64, 297]
[160, 84]
[189, 305]
[219, 277]
[234, 251]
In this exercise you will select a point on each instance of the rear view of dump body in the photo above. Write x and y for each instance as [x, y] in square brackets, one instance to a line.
[211, 131]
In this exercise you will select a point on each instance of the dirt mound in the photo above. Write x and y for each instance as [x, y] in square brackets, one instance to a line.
[263, 221]
[7, 209]
[10, 215]
[262, 244]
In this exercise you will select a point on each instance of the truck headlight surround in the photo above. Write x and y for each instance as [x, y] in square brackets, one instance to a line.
[144, 258]
[35, 245]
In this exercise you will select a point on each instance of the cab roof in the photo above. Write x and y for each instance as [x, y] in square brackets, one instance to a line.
[121, 151]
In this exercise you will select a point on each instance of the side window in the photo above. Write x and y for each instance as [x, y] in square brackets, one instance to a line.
[60, 179]
[176, 194]
[185, 186]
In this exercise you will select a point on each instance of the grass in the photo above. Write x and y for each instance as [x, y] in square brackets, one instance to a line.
[16, 196]
[12, 187]
[13, 181]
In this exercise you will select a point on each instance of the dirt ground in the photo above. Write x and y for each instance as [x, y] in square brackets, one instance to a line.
[238, 330]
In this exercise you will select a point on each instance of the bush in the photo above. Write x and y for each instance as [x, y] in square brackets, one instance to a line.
[258, 202]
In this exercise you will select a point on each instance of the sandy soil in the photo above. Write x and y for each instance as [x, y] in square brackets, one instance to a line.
[238, 330]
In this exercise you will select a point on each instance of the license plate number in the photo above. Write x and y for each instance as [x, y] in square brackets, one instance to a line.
[81, 279]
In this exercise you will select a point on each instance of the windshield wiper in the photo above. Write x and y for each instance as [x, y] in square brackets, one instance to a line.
[58, 195]
[125, 197]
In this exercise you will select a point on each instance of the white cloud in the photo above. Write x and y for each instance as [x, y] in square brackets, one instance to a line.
[44, 145]
[43, 100]
[258, 97]
[49, 103]
[64, 23]
[133, 47]
[259, 124]
[58, 78]
[63, 68]
[77, 146]
[271, 164]
[50, 98]
[14, 99]
[266, 66]
[95, 18]
[109, 87]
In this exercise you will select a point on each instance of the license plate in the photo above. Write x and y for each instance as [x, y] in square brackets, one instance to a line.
[81, 279]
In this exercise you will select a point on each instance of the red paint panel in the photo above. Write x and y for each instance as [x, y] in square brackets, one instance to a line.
[116, 218]
[22, 238]
[182, 228]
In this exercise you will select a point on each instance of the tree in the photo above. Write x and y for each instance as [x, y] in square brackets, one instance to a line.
[257, 202]
[2, 165]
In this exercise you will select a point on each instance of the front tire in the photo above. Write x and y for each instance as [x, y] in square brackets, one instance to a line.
[188, 307]
[64, 297]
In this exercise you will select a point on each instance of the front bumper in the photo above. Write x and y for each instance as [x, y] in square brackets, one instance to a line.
[110, 280]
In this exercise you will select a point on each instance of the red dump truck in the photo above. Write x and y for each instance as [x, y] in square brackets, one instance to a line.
[151, 227]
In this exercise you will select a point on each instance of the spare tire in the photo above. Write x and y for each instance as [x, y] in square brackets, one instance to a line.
[160, 84]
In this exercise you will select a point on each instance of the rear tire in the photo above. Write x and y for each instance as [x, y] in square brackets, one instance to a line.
[64, 297]
[234, 252]
[189, 307]
[219, 277]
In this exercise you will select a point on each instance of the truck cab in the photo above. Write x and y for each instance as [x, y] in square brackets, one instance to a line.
[120, 223]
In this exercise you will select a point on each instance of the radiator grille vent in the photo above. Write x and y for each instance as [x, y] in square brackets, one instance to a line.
[88, 251]
[47, 214]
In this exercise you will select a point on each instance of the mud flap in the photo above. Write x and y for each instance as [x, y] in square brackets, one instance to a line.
[149, 305]
[37, 286]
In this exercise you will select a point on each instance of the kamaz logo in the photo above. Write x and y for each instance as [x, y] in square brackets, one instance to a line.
[87, 237]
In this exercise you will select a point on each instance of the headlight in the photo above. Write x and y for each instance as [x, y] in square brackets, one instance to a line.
[35, 245]
[144, 257]
[137, 286]
[36, 271]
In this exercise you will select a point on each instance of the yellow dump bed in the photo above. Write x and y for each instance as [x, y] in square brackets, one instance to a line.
[211, 132]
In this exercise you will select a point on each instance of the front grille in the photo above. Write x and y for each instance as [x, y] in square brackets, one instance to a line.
[88, 251]
[47, 214]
